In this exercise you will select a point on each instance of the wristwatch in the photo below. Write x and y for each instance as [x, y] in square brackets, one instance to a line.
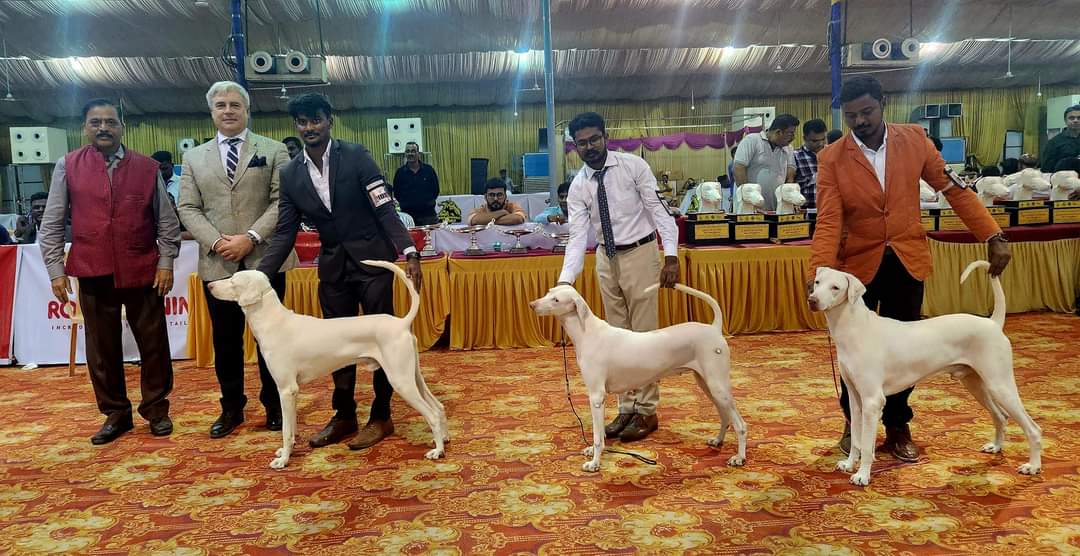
[254, 238]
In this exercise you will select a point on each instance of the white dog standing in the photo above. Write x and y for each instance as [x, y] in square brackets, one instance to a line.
[880, 356]
[614, 360]
[301, 348]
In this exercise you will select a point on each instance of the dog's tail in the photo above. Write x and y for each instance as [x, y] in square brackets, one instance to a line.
[995, 284]
[414, 305]
[718, 317]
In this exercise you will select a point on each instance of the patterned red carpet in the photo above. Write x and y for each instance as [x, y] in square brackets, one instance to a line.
[511, 481]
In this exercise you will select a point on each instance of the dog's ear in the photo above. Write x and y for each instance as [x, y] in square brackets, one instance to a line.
[250, 288]
[855, 289]
[583, 310]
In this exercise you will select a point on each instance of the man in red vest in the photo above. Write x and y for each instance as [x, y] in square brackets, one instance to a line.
[124, 237]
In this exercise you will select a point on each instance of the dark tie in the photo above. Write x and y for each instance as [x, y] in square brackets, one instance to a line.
[233, 157]
[605, 215]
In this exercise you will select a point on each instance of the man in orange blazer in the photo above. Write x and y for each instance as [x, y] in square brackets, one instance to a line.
[868, 224]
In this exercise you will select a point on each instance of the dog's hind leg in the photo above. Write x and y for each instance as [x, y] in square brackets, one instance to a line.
[434, 402]
[1006, 396]
[974, 384]
[287, 394]
[720, 394]
[401, 372]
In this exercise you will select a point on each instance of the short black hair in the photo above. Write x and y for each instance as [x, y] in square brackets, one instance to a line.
[564, 188]
[1010, 166]
[816, 125]
[833, 136]
[584, 120]
[39, 196]
[859, 86]
[162, 156]
[784, 121]
[1072, 163]
[310, 104]
[937, 142]
[291, 139]
[94, 103]
[407, 143]
[494, 183]
[990, 171]
[1073, 108]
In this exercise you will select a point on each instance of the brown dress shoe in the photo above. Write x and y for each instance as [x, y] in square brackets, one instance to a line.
[845, 440]
[898, 440]
[335, 431]
[615, 427]
[640, 427]
[372, 433]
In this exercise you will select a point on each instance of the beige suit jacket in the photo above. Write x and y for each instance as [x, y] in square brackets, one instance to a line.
[211, 206]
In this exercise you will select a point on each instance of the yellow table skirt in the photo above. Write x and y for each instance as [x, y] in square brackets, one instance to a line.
[758, 288]
[302, 296]
[489, 300]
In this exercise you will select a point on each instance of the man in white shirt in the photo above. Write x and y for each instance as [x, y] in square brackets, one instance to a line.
[767, 158]
[615, 193]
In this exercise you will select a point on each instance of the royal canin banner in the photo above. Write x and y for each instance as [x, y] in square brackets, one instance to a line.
[42, 326]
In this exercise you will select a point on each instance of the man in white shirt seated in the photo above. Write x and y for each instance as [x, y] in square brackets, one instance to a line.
[615, 194]
[556, 214]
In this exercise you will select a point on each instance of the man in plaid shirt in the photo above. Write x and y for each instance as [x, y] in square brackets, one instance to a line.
[814, 136]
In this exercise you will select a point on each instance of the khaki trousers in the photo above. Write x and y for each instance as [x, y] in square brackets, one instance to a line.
[626, 305]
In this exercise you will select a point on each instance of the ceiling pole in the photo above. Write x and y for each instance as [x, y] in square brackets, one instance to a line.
[836, 18]
[554, 147]
[238, 42]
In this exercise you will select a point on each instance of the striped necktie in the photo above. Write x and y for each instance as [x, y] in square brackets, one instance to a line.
[233, 157]
[605, 215]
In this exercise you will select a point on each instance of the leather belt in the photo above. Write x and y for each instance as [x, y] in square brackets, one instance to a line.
[630, 246]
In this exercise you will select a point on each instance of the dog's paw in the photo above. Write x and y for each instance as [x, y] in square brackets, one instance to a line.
[279, 462]
[736, 461]
[860, 480]
[715, 442]
[587, 452]
[590, 466]
[990, 448]
[434, 454]
[1029, 469]
[847, 466]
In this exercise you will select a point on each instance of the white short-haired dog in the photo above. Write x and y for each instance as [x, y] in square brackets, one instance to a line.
[879, 356]
[748, 199]
[1023, 183]
[1064, 183]
[300, 348]
[614, 360]
[710, 197]
[788, 197]
[991, 188]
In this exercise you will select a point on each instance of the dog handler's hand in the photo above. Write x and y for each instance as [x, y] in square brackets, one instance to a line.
[61, 287]
[412, 269]
[998, 253]
[669, 275]
[163, 281]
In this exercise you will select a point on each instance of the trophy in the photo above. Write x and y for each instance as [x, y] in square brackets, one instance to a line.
[474, 248]
[518, 248]
[561, 239]
[429, 245]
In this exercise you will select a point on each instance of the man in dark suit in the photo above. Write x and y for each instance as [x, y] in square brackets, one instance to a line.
[338, 188]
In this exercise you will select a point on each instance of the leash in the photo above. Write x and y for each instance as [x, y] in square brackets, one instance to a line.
[581, 425]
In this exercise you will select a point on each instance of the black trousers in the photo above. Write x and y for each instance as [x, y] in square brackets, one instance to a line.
[895, 294]
[227, 321]
[371, 290]
[100, 301]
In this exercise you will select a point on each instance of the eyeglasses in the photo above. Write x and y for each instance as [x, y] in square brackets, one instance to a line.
[595, 141]
[103, 124]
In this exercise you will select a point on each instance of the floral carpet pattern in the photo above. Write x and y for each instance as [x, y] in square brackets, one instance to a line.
[511, 482]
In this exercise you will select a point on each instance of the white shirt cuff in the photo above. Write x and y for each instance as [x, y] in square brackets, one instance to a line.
[409, 249]
[258, 238]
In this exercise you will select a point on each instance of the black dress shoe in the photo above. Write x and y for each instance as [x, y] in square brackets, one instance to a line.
[640, 427]
[273, 421]
[111, 431]
[225, 424]
[335, 431]
[616, 426]
[162, 426]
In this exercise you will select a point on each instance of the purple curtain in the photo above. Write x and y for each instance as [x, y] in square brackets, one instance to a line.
[695, 141]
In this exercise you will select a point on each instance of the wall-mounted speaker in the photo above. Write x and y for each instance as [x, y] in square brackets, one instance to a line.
[37, 145]
[400, 131]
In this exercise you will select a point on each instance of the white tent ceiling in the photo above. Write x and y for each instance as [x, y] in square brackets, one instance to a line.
[161, 54]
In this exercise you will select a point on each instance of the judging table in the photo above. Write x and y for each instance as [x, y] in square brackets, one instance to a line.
[759, 288]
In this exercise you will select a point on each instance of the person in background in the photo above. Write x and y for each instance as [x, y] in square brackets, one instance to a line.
[556, 214]
[168, 174]
[833, 136]
[1028, 161]
[416, 186]
[767, 158]
[990, 171]
[26, 227]
[5, 237]
[293, 146]
[122, 251]
[806, 159]
[1065, 144]
[1010, 166]
[937, 142]
[506, 180]
[497, 207]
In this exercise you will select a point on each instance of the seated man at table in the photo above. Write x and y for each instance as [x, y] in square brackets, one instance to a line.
[555, 214]
[497, 207]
